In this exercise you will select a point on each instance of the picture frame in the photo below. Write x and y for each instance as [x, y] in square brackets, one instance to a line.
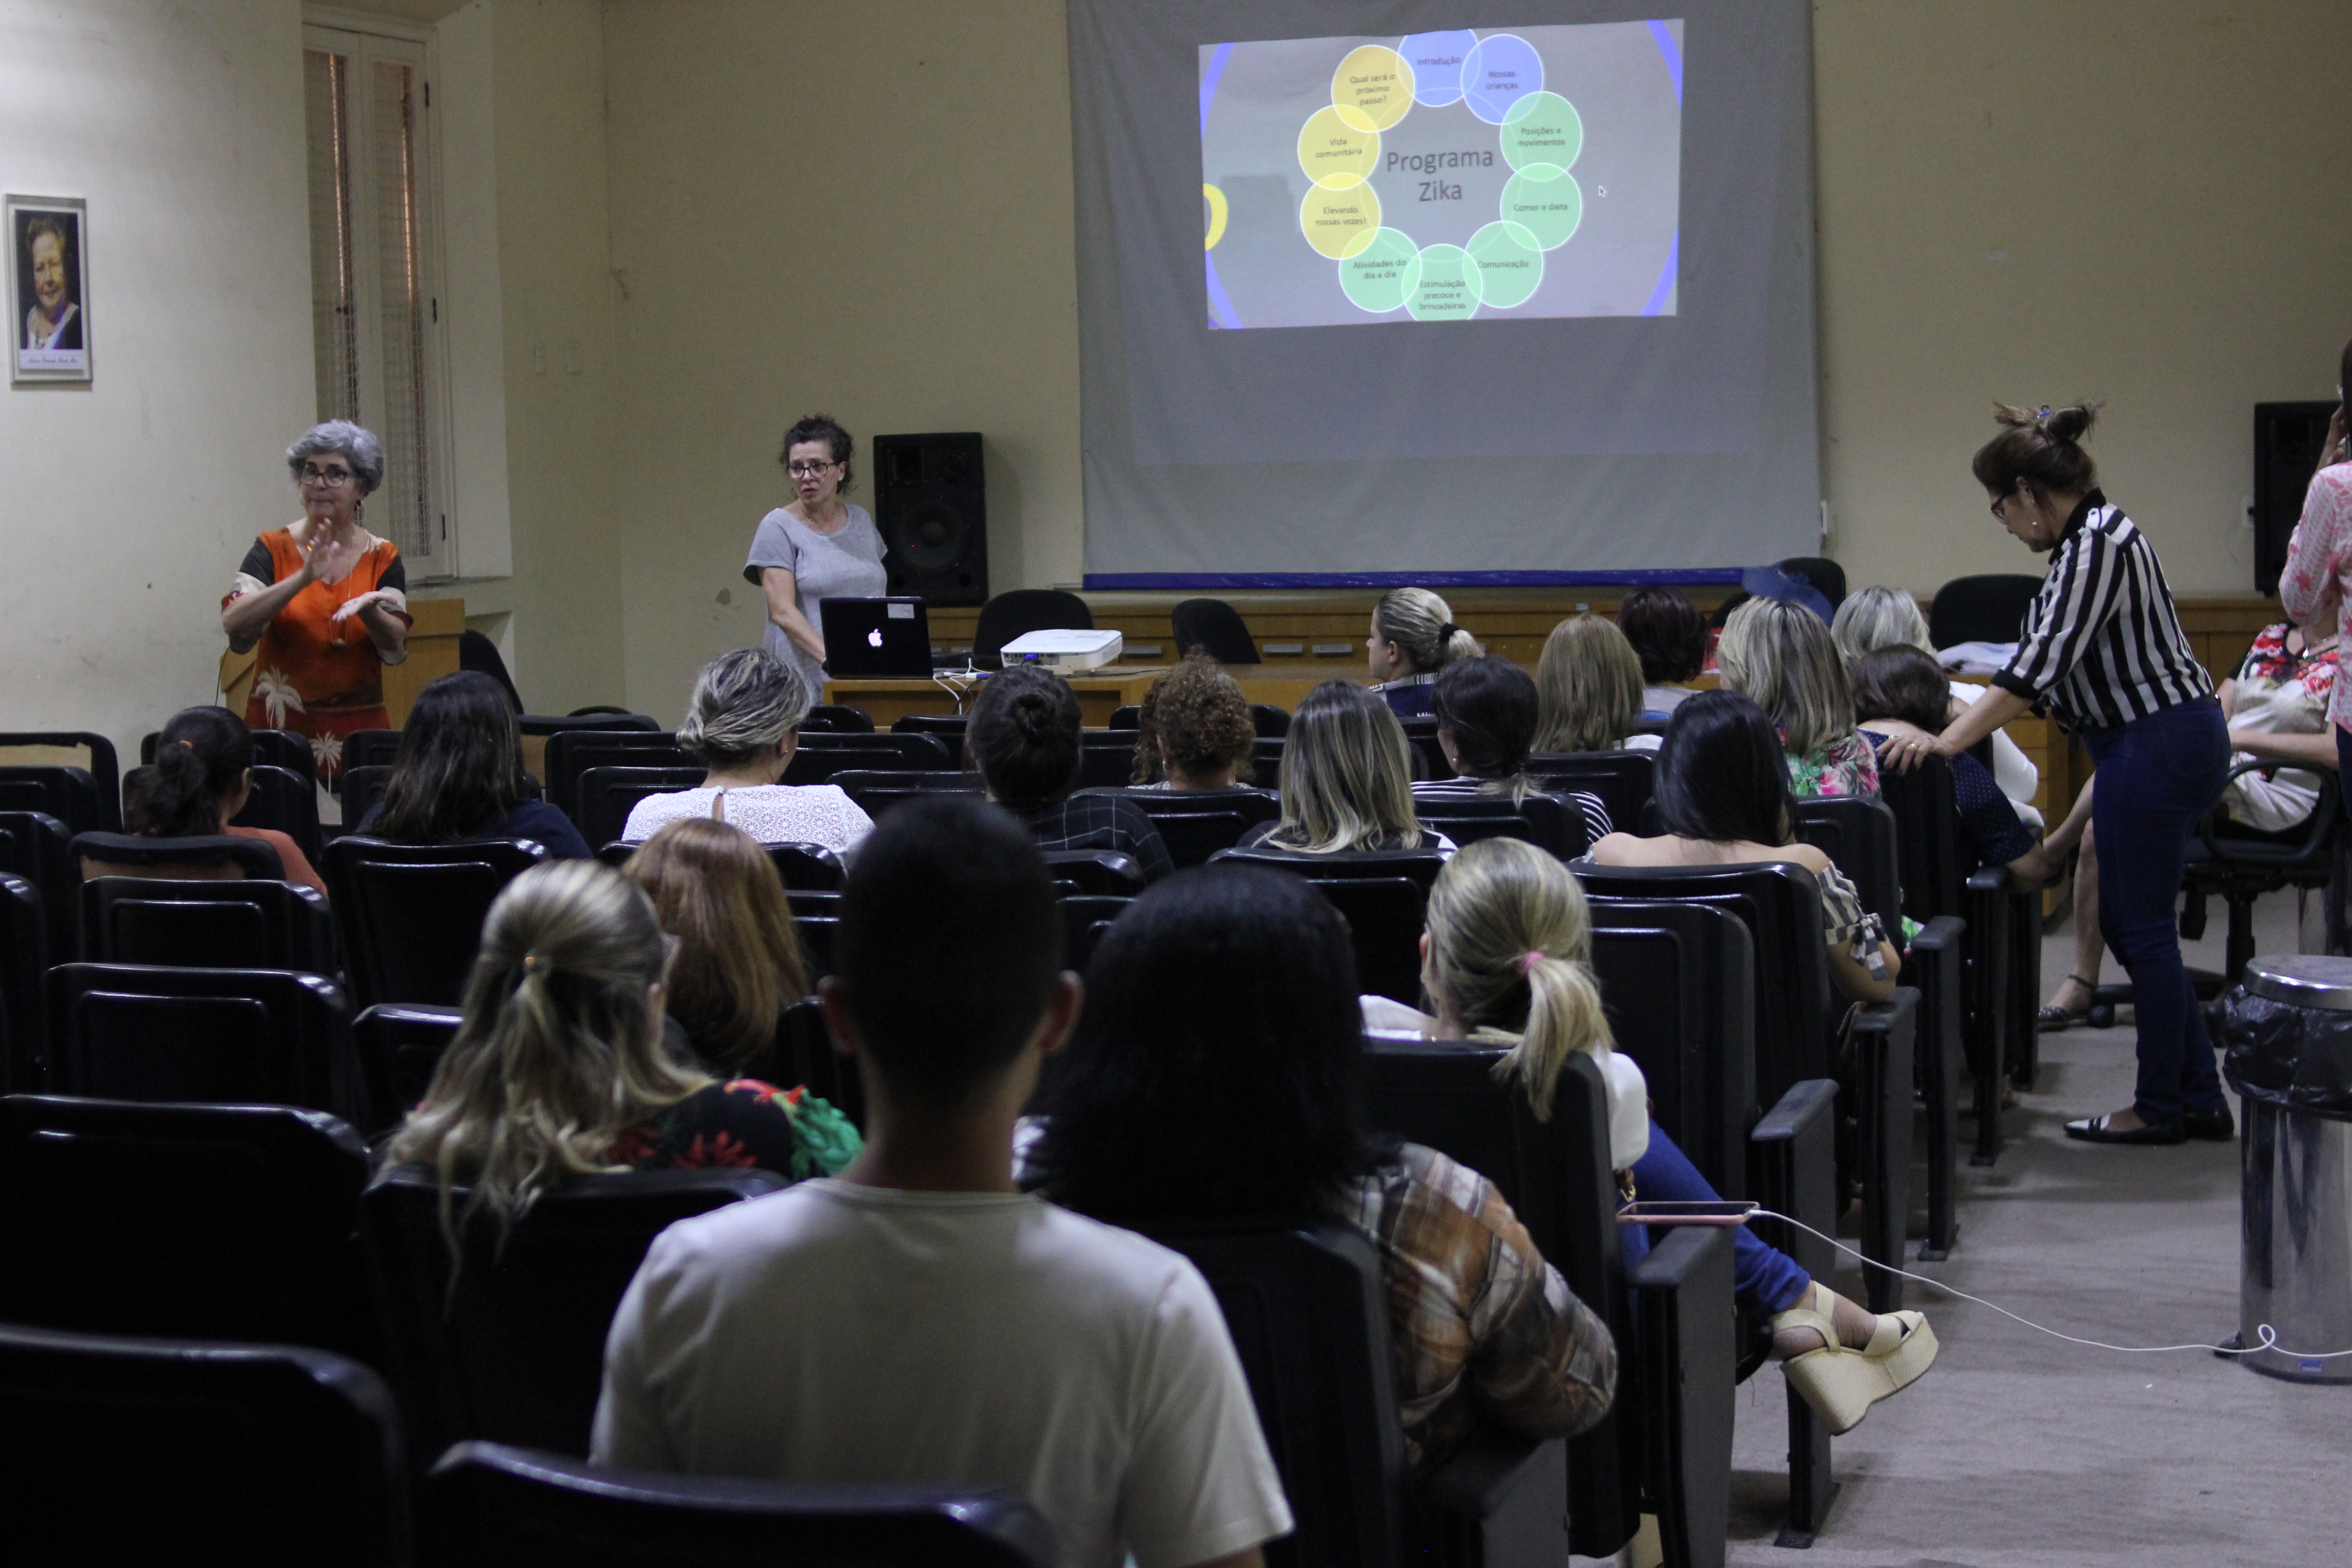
[48, 290]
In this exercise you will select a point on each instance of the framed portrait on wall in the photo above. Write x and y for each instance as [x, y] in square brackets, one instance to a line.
[48, 289]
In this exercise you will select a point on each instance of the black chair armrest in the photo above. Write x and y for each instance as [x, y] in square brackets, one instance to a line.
[2322, 819]
[1477, 1479]
[1689, 1366]
[1885, 1034]
[1989, 879]
[1941, 934]
[1792, 1154]
[1806, 1105]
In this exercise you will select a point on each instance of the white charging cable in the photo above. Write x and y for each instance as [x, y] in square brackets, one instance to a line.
[2263, 1332]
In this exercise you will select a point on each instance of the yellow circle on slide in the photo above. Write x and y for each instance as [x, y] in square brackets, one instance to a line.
[1217, 200]
[1340, 223]
[1376, 82]
[1335, 153]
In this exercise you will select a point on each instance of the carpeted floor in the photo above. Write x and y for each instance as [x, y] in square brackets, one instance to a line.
[2019, 1449]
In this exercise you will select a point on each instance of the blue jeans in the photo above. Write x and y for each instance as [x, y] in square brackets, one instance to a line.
[1764, 1279]
[2157, 776]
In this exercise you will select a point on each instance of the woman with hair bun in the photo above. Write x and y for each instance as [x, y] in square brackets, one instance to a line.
[558, 1069]
[323, 602]
[1024, 742]
[1507, 960]
[2103, 647]
[201, 777]
[742, 724]
[1413, 638]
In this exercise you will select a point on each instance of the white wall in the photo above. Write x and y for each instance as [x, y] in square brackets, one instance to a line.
[130, 501]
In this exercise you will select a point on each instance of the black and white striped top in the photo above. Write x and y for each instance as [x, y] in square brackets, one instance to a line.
[1590, 808]
[2102, 644]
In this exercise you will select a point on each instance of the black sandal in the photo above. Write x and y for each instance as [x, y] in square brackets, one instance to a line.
[2094, 1130]
[2053, 1017]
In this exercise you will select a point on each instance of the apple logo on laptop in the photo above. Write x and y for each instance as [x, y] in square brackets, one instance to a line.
[874, 638]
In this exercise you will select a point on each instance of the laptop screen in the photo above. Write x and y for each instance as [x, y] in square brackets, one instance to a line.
[876, 637]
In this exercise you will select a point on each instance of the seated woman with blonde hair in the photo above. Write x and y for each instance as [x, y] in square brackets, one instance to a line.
[1722, 793]
[1346, 780]
[742, 724]
[738, 960]
[1782, 656]
[558, 1069]
[1588, 688]
[1506, 961]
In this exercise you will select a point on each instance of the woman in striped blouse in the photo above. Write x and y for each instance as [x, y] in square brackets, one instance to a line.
[2103, 648]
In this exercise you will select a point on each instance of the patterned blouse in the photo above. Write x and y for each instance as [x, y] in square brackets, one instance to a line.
[318, 677]
[1846, 765]
[2319, 567]
[1485, 1330]
[742, 1123]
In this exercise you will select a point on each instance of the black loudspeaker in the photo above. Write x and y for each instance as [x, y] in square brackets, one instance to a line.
[931, 502]
[2287, 439]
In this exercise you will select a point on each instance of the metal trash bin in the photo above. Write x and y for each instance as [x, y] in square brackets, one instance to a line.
[2289, 1035]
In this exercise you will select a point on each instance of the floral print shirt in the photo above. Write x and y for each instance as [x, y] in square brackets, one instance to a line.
[742, 1123]
[1846, 765]
[2319, 567]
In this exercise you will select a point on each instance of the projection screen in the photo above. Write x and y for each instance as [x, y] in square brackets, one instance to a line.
[1451, 293]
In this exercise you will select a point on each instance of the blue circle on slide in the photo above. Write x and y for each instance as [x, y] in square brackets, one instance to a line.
[1436, 60]
[1502, 70]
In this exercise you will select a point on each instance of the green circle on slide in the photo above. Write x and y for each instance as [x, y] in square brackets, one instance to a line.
[1509, 263]
[1448, 290]
[1383, 274]
[1548, 206]
[1542, 128]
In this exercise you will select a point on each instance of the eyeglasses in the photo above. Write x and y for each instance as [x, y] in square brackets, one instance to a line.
[807, 470]
[314, 475]
[1999, 502]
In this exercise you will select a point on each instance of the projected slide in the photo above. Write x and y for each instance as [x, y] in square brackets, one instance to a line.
[1442, 177]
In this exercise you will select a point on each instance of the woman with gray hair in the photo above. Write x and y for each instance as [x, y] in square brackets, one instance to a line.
[323, 601]
[742, 724]
[1878, 617]
[1779, 656]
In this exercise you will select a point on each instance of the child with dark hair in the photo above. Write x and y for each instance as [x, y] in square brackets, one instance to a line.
[1024, 742]
[201, 777]
[1902, 684]
[918, 1318]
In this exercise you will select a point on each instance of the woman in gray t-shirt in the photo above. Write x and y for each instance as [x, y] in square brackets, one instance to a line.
[820, 547]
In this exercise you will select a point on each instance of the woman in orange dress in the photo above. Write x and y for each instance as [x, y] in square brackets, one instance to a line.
[325, 601]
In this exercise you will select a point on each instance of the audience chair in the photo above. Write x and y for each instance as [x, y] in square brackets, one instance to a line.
[875, 790]
[1215, 627]
[1421, 739]
[369, 749]
[166, 1450]
[90, 755]
[1466, 820]
[24, 966]
[1085, 917]
[1021, 612]
[1989, 609]
[478, 652]
[812, 867]
[271, 748]
[1622, 779]
[215, 1222]
[1797, 1021]
[1102, 872]
[2240, 864]
[1195, 827]
[1106, 758]
[1419, 866]
[236, 1036]
[538, 728]
[1555, 1175]
[812, 902]
[410, 915]
[206, 925]
[67, 794]
[837, 719]
[398, 1045]
[513, 1351]
[37, 847]
[362, 788]
[816, 932]
[804, 1056]
[1273, 724]
[211, 858]
[489, 1505]
[607, 794]
[1859, 834]
[1824, 576]
[949, 727]
[1384, 918]
[571, 752]
[288, 802]
[2000, 938]
[820, 757]
[1127, 716]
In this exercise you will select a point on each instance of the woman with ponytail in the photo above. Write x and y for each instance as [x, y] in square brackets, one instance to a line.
[201, 777]
[559, 1070]
[1507, 960]
[1218, 1072]
[2103, 648]
[1413, 638]
[1023, 742]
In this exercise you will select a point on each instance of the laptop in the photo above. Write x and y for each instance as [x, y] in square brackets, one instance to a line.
[868, 639]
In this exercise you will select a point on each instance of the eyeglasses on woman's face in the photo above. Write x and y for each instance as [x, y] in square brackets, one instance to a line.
[333, 474]
[806, 470]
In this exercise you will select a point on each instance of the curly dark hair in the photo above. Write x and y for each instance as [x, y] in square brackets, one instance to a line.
[1198, 714]
[821, 427]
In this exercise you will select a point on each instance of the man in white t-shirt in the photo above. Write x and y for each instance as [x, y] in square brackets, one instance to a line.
[918, 1318]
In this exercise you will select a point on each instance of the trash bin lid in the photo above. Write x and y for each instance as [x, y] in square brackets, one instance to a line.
[2302, 980]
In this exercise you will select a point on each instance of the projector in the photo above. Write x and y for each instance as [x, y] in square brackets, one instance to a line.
[1064, 650]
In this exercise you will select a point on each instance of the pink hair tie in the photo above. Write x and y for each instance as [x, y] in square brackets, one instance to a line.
[1528, 959]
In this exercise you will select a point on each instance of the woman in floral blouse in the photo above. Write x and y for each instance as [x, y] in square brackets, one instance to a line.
[1782, 656]
[559, 1068]
[323, 601]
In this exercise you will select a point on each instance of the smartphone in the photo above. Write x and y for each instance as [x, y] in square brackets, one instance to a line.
[1722, 1213]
